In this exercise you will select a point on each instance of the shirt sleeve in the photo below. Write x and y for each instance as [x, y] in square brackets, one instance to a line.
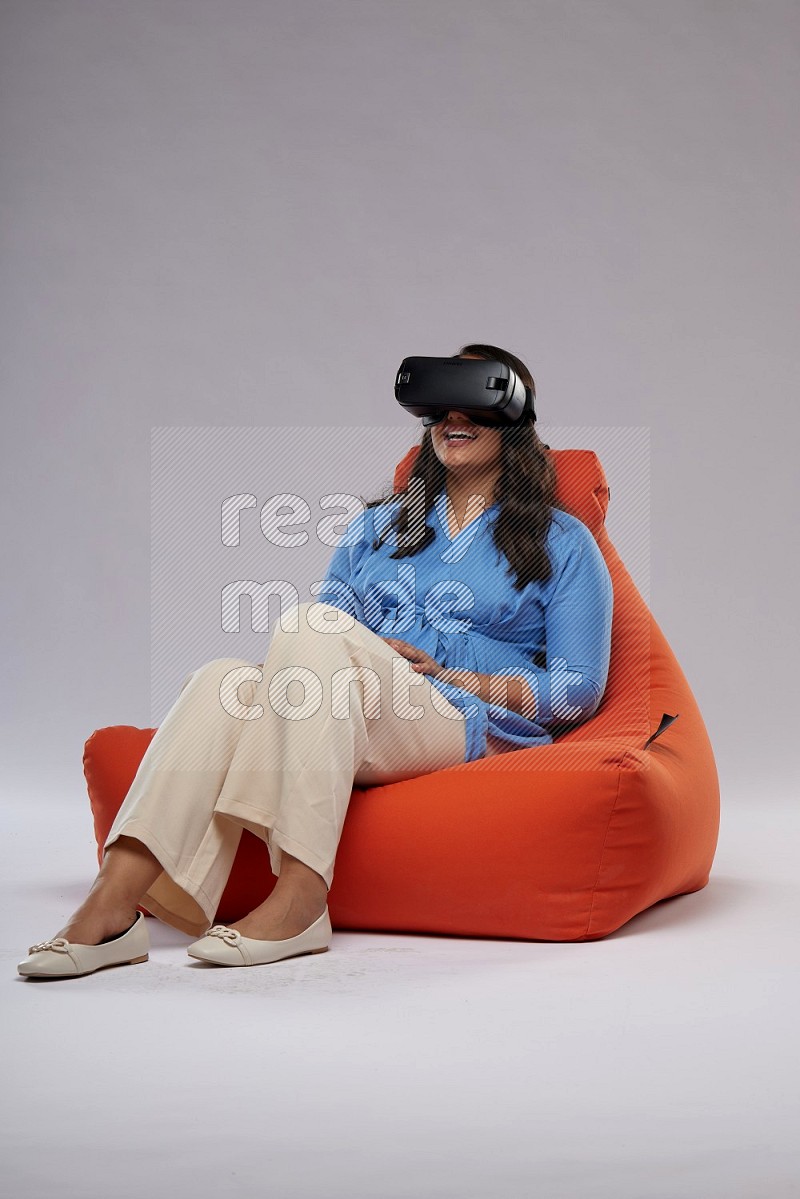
[337, 587]
[387, 606]
[569, 688]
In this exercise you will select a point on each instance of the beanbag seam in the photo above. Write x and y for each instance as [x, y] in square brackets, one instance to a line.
[627, 754]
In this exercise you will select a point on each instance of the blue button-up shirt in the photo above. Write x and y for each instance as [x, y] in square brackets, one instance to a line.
[455, 599]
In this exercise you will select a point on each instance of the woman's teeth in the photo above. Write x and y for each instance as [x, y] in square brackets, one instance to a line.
[460, 436]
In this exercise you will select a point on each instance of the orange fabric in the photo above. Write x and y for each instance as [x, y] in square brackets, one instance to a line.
[562, 842]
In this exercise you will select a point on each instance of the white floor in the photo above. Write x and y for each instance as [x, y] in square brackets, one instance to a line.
[660, 1063]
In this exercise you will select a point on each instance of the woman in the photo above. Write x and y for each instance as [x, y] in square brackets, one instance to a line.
[504, 604]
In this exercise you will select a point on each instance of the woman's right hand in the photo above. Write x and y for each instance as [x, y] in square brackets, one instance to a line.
[422, 662]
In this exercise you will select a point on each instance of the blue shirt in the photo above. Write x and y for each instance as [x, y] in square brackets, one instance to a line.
[456, 600]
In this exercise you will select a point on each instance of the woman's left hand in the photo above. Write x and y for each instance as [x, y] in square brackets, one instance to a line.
[421, 662]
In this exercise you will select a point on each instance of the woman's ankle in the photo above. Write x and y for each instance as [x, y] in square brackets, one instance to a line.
[107, 898]
[91, 923]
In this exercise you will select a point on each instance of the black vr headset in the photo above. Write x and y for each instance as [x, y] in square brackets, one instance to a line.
[489, 393]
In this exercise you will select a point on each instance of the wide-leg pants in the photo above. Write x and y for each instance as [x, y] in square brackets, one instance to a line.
[277, 750]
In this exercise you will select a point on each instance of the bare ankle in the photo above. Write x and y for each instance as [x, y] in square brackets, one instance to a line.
[106, 893]
[295, 899]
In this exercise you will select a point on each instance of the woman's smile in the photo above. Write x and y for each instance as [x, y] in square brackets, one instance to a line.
[458, 431]
[458, 436]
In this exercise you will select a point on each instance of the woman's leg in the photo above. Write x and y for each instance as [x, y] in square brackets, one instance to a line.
[286, 775]
[298, 898]
[127, 870]
[167, 821]
[310, 735]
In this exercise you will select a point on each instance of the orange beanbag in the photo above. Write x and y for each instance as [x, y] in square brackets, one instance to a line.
[561, 842]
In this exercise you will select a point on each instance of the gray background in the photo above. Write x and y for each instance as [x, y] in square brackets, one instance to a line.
[248, 213]
[245, 214]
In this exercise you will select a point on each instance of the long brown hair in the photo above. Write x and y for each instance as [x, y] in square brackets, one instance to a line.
[525, 490]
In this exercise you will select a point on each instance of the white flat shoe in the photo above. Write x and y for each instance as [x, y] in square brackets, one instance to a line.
[227, 947]
[60, 958]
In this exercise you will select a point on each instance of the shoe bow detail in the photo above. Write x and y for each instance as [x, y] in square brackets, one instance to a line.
[231, 935]
[58, 945]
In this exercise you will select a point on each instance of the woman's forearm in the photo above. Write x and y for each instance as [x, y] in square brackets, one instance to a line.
[510, 691]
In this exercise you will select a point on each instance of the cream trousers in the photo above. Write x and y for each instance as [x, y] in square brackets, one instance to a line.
[277, 750]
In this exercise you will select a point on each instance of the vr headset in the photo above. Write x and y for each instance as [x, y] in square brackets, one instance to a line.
[489, 393]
